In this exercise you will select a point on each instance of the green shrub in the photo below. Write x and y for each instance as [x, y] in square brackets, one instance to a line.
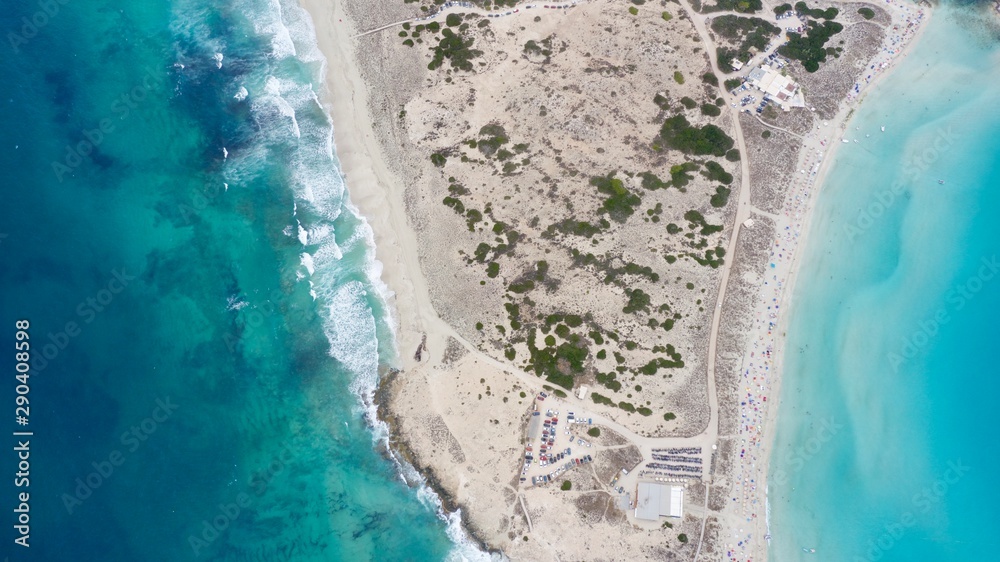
[644, 411]
[710, 78]
[566, 485]
[453, 20]
[594, 432]
[456, 49]
[666, 16]
[601, 399]
[678, 77]
[721, 197]
[669, 416]
[621, 203]
[678, 134]
[492, 270]
[733, 83]
[743, 6]
[682, 537]
[809, 48]
[457, 206]
[710, 110]
[521, 286]
[637, 300]
[577, 228]
[438, 159]
[688, 102]
[715, 172]
[827, 14]
[866, 13]
[633, 10]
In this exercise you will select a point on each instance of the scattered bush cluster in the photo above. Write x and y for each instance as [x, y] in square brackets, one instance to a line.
[678, 134]
[747, 32]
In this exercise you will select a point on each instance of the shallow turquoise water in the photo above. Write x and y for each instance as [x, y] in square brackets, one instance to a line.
[893, 332]
[196, 378]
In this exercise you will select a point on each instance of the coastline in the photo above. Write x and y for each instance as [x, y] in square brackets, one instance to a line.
[378, 191]
[372, 187]
[839, 128]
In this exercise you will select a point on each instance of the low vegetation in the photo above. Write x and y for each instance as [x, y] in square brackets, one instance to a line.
[742, 6]
[677, 133]
[809, 48]
[744, 34]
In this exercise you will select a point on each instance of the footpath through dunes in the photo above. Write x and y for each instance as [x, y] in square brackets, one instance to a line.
[533, 79]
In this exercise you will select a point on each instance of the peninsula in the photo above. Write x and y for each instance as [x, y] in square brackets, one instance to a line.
[588, 214]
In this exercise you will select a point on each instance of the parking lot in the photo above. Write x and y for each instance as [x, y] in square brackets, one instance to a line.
[556, 442]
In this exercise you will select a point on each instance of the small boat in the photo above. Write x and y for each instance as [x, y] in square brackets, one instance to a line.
[846, 141]
[883, 128]
[941, 182]
[809, 550]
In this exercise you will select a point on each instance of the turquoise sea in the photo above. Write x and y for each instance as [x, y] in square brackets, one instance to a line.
[205, 315]
[886, 447]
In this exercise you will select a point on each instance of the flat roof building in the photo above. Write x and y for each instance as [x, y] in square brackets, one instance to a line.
[772, 83]
[535, 427]
[658, 500]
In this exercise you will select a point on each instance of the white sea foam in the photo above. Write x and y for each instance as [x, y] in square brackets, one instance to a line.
[293, 125]
[307, 262]
[235, 302]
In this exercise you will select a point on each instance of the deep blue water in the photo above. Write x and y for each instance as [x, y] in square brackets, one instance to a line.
[893, 334]
[195, 381]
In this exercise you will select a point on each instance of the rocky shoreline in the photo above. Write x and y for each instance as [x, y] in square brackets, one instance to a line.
[400, 450]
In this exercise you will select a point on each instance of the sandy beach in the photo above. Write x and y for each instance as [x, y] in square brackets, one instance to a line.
[443, 368]
[761, 374]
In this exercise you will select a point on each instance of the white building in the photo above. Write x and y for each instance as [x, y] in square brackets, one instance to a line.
[658, 500]
[771, 82]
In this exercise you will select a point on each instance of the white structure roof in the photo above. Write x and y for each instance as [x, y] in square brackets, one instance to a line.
[771, 82]
[658, 500]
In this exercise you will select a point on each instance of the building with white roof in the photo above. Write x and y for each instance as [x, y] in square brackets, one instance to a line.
[658, 500]
[771, 82]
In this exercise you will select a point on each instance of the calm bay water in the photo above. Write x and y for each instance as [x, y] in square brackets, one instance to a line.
[203, 302]
[893, 334]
